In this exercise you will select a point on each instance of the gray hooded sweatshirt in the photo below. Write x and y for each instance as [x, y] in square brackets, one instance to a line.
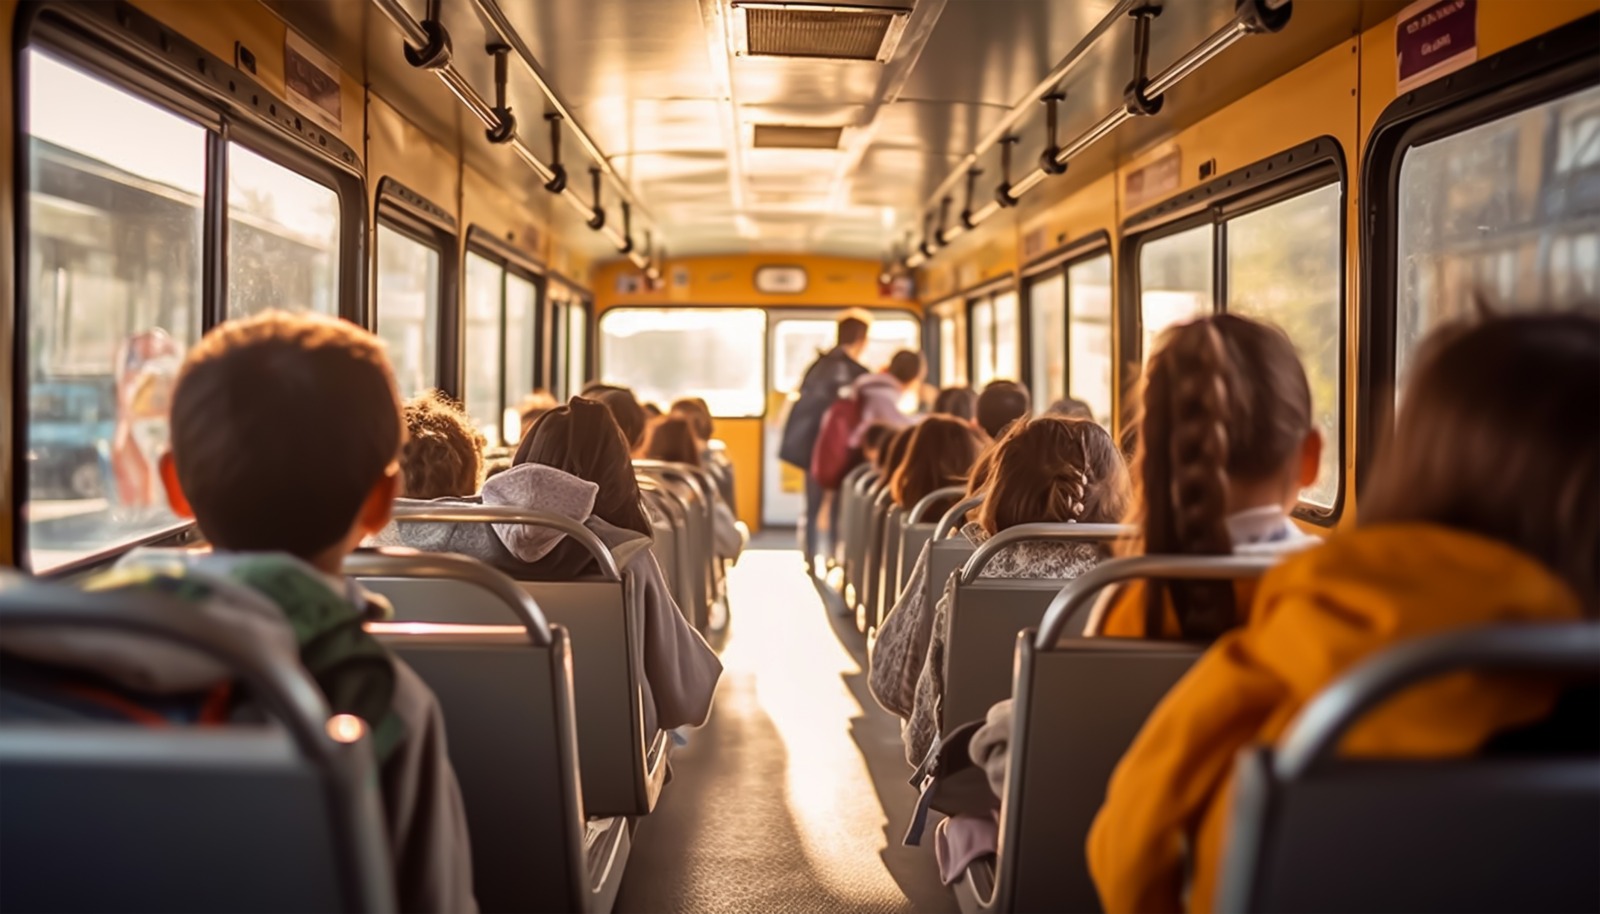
[680, 671]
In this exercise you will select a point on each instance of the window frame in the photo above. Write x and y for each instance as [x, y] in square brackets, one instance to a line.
[988, 291]
[134, 53]
[1538, 71]
[1059, 263]
[598, 370]
[403, 210]
[486, 244]
[1309, 166]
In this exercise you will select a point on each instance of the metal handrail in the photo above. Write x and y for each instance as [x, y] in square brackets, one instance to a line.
[1077, 596]
[496, 514]
[1314, 734]
[951, 521]
[413, 564]
[1039, 533]
[920, 510]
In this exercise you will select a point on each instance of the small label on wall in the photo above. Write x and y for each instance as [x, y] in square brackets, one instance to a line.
[311, 80]
[1153, 181]
[1433, 38]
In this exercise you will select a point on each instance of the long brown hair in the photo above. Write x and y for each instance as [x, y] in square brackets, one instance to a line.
[1499, 435]
[893, 453]
[582, 438]
[940, 454]
[673, 440]
[1055, 470]
[1225, 397]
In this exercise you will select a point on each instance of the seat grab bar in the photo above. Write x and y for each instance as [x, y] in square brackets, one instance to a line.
[497, 514]
[1039, 533]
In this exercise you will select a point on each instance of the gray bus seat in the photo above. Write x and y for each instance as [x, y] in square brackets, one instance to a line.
[871, 576]
[248, 817]
[671, 543]
[947, 552]
[919, 526]
[689, 486]
[623, 764]
[844, 517]
[987, 613]
[507, 696]
[1079, 703]
[1311, 831]
[865, 490]
[888, 558]
[722, 471]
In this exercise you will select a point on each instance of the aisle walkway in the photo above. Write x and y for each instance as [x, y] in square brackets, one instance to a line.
[793, 798]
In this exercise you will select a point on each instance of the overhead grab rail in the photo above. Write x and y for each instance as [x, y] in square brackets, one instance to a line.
[427, 47]
[1143, 97]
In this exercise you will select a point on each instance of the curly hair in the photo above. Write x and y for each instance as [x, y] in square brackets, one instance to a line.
[443, 453]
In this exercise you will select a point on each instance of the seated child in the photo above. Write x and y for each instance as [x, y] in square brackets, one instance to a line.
[1480, 509]
[286, 433]
[939, 456]
[574, 462]
[443, 453]
[1000, 404]
[673, 441]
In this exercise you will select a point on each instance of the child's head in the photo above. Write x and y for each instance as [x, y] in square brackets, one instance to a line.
[873, 438]
[286, 433]
[1226, 426]
[1000, 404]
[1054, 470]
[1071, 408]
[907, 368]
[582, 438]
[959, 402]
[1499, 435]
[674, 441]
[534, 405]
[698, 414]
[940, 454]
[625, 409]
[443, 453]
[894, 452]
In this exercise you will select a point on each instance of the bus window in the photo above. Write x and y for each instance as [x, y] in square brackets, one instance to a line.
[1495, 212]
[114, 298]
[1007, 337]
[1284, 264]
[1089, 335]
[522, 345]
[982, 324]
[283, 238]
[797, 342]
[1174, 281]
[485, 335]
[952, 343]
[577, 345]
[663, 354]
[408, 308]
[1047, 335]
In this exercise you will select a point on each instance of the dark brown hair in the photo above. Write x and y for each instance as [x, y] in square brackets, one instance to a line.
[698, 413]
[674, 441]
[281, 426]
[534, 405]
[1224, 398]
[1071, 407]
[940, 454]
[905, 367]
[1000, 404]
[1499, 435]
[1054, 470]
[625, 409]
[582, 438]
[875, 436]
[443, 453]
[852, 330]
[960, 402]
[894, 452]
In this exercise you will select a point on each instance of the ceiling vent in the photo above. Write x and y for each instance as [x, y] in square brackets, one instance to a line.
[816, 30]
[784, 136]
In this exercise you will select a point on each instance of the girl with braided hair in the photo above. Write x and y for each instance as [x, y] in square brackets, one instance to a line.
[1226, 443]
[1045, 470]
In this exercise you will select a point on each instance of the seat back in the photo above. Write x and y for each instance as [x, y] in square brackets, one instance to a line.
[871, 572]
[1079, 704]
[987, 614]
[94, 816]
[692, 487]
[507, 695]
[622, 771]
[855, 574]
[846, 511]
[888, 564]
[917, 532]
[1313, 831]
[672, 546]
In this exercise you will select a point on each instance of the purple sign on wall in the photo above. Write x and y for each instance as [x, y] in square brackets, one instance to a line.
[1435, 37]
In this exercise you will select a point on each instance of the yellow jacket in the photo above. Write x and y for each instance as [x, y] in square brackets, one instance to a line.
[1315, 616]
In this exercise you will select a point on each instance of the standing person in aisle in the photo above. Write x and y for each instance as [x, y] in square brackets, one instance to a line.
[832, 372]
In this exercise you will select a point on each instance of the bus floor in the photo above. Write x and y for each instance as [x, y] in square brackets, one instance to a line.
[794, 796]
